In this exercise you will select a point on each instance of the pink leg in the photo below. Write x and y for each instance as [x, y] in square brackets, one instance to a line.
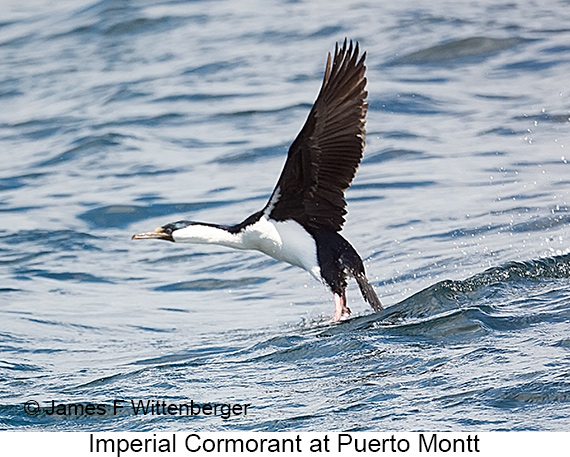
[340, 308]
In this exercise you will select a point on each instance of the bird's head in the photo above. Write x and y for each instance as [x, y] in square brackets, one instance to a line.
[166, 232]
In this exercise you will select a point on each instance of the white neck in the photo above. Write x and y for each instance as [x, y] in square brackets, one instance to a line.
[285, 241]
[206, 234]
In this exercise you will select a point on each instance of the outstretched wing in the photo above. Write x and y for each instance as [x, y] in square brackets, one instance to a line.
[323, 159]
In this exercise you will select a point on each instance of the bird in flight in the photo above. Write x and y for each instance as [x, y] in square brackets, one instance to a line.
[300, 223]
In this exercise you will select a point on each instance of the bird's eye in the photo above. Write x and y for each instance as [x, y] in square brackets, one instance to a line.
[168, 230]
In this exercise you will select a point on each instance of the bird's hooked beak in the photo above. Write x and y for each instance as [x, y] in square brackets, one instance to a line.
[158, 234]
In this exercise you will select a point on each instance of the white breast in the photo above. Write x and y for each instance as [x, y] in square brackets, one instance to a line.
[286, 241]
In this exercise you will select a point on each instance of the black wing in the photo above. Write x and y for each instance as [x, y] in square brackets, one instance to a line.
[323, 159]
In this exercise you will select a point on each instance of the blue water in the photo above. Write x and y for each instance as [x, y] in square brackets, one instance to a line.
[118, 117]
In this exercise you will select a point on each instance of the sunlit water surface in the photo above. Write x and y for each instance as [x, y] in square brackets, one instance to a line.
[119, 117]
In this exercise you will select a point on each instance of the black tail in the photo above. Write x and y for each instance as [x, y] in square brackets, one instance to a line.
[368, 292]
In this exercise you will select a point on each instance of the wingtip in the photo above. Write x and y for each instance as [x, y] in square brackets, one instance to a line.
[348, 55]
[349, 47]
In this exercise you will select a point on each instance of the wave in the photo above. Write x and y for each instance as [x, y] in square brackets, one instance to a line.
[452, 322]
[500, 299]
[459, 50]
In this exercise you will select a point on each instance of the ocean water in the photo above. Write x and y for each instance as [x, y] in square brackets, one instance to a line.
[118, 117]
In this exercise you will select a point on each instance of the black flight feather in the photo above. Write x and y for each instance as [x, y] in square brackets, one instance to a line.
[323, 159]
